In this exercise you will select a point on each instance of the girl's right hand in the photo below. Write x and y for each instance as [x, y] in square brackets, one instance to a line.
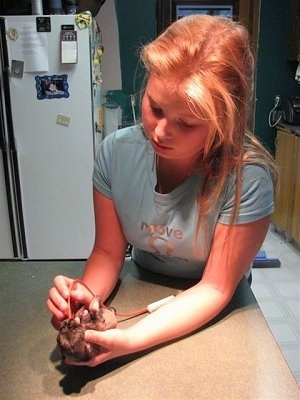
[57, 302]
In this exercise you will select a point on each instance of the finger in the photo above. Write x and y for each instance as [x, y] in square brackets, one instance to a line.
[63, 285]
[92, 336]
[99, 359]
[59, 314]
[71, 361]
[81, 294]
[56, 323]
[102, 338]
[56, 303]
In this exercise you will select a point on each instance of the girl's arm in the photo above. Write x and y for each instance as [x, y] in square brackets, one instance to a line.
[229, 260]
[102, 268]
[107, 258]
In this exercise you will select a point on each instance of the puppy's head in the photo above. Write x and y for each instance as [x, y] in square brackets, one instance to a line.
[71, 342]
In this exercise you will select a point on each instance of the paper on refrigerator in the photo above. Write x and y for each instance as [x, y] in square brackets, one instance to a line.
[27, 45]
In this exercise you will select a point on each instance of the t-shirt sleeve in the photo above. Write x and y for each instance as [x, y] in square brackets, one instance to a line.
[257, 199]
[102, 167]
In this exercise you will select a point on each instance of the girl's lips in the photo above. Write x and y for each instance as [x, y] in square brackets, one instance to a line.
[159, 146]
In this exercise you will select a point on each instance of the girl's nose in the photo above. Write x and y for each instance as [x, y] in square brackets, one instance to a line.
[162, 128]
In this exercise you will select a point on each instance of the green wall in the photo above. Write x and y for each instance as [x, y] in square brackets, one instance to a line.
[275, 74]
[137, 26]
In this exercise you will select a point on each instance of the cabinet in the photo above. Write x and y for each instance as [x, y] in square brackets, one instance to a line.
[295, 223]
[287, 200]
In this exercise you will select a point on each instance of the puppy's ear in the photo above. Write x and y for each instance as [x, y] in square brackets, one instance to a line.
[96, 311]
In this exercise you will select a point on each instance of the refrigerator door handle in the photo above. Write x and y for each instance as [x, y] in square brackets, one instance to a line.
[9, 154]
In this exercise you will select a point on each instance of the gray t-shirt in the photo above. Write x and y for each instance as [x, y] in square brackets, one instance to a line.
[161, 227]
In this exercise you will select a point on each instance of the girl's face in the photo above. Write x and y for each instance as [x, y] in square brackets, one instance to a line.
[174, 131]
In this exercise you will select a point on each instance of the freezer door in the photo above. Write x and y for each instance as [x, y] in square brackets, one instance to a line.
[6, 245]
[12, 232]
[53, 130]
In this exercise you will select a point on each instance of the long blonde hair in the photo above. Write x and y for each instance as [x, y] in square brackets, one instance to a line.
[210, 63]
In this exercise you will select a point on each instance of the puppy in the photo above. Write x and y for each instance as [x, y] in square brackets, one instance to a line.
[70, 339]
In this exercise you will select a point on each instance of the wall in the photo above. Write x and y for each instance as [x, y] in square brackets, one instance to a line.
[275, 74]
[110, 65]
[137, 25]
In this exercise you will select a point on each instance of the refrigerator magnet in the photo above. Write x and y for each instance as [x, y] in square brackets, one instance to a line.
[52, 87]
[13, 33]
[17, 69]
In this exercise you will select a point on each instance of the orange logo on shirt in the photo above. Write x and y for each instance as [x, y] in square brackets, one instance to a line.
[158, 244]
[160, 239]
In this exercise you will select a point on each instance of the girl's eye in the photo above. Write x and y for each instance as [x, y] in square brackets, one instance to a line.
[157, 111]
[185, 125]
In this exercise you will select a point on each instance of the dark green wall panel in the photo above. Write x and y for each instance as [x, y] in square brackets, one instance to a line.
[137, 26]
[275, 74]
[137, 22]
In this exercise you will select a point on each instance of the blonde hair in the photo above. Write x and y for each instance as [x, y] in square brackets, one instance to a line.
[209, 62]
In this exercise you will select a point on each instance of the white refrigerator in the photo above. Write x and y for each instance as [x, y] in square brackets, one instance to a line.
[50, 117]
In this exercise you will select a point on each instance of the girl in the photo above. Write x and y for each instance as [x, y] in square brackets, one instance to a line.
[189, 188]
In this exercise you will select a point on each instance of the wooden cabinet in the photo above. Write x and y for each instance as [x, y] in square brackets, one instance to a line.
[287, 200]
[295, 223]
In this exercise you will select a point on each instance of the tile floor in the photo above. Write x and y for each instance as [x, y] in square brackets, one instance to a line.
[277, 291]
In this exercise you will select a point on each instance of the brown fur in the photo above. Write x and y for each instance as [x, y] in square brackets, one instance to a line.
[70, 339]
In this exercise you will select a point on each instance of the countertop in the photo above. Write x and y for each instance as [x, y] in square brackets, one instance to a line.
[234, 357]
[290, 128]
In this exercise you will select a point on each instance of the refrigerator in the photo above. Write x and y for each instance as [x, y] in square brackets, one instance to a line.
[50, 121]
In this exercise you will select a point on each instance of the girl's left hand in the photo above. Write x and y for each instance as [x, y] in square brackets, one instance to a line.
[114, 343]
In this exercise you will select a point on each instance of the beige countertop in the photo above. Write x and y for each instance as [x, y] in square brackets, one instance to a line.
[235, 357]
[290, 128]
